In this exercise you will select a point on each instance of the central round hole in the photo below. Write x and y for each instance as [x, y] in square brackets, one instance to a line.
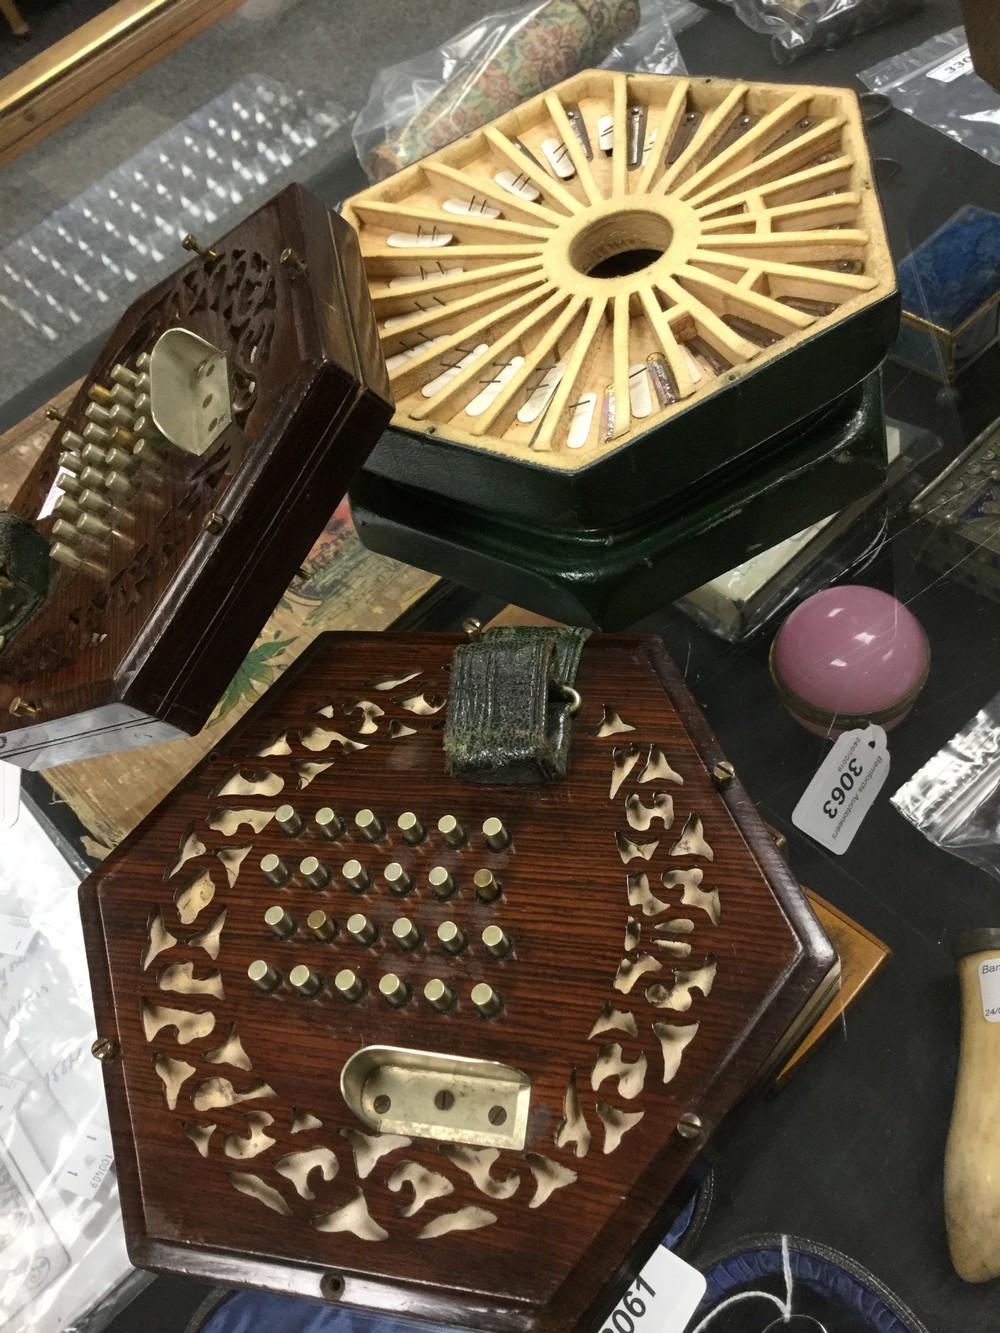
[620, 244]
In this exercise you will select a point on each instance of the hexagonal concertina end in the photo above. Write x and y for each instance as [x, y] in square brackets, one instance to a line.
[622, 286]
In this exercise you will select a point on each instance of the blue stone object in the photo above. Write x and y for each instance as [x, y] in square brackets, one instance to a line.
[950, 288]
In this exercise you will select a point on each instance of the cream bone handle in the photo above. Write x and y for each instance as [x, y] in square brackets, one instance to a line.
[972, 1157]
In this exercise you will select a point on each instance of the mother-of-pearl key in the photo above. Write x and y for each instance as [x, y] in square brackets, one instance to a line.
[476, 206]
[409, 240]
[441, 381]
[517, 183]
[440, 271]
[640, 394]
[541, 395]
[486, 396]
[581, 421]
[558, 158]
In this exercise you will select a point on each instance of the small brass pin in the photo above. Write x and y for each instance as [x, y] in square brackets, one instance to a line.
[275, 870]
[486, 1000]
[369, 825]
[213, 523]
[91, 478]
[406, 934]
[361, 930]
[264, 976]
[496, 835]
[329, 823]
[442, 882]
[453, 833]
[192, 243]
[70, 483]
[349, 984]
[400, 881]
[450, 937]
[288, 820]
[307, 982]
[282, 923]
[314, 872]
[497, 942]
[357, 876]
[394, 989]
[53, 415]
[488, 887]
[92, 526]
[66, 507]
[438, 995]
[121, 374]
[95, 502]
[323, 927]
[410, 828]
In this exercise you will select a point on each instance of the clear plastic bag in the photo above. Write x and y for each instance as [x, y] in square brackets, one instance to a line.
[935, 83]
[422, 104]
[62, 1247]
[954, 800]
[797, 26]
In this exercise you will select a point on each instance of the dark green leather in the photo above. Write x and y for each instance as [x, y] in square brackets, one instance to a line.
[24, 573]
[509, 719]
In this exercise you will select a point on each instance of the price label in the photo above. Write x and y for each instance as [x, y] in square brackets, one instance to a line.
[954, 68]
[662, 1298]
[16, 934]
[88, 1165]
[846, 783]
[989, 989]
[11, 1091]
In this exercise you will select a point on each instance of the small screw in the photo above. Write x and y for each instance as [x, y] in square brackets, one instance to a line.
[291, 259]
[472, 627]
[105, 1049]
[689, 1126]
[192, 243]
[723, 774]
[213, 523]
[21, 708]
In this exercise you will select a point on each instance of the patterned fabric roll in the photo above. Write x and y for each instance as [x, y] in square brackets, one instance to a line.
[560, 38]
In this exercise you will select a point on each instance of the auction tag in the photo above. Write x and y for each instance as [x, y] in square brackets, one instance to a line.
[10, 795]
[662, 1298]
[846, 783]
[11, 1091]
[989, 989]
[16, 934]
[959, 64]
[88, 1164]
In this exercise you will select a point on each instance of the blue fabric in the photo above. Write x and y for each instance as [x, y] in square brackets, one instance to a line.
[955, 271]
[261, 1312]
[763, 1267]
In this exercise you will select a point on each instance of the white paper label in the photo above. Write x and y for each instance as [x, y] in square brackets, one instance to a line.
[954, 68]
[989, 989]
[88, 1164]
[846, 783]
[11, 1091]
[662, 1299]
[16, 934]
[10, 795]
